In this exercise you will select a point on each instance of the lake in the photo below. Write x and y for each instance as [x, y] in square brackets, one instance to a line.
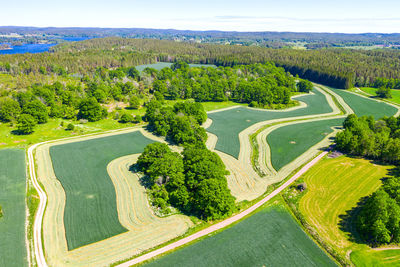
[37, 48]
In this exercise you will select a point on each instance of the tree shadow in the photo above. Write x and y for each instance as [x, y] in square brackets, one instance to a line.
[17, 132]
[347, 223]
[143, 180]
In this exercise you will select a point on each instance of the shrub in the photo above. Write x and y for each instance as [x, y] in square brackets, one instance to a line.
[70, 127]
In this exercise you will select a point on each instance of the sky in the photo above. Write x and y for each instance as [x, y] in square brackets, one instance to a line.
[347, 16]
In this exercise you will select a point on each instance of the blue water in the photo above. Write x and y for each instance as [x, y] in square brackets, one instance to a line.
[27, 48]
[37, 48]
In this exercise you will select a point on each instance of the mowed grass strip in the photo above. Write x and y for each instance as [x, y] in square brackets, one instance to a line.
[363, 106]
[229, 123]
[90, 213]
[335, 186]
[289, 142]
[12, 200]
[395, 93]
[268, 238]
[367, 258]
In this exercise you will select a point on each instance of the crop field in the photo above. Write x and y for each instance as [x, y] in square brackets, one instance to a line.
[161, 65]
[12, 200]
[364, 106]
[81, 167]
[334, 186]
[229, 123]
[288, 142]
[270, 237]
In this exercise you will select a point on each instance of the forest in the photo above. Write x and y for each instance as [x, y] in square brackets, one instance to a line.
[341, 68]
[259, 85]
[363, 136]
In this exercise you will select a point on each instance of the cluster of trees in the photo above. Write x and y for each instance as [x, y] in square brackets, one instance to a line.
[386, 83]
[265, 84]
[180, 123]
[378, 221]
[193, 182]
[363, 136]
[40, 102]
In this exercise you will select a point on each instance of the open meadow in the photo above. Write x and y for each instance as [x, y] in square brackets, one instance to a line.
[270, 237]
[12, 200]
[394, 92]
[334, 187]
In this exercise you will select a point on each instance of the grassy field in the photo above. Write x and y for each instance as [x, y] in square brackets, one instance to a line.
[268, 238]
[364, 106]
[161, 65]
[334, 187]
[12, 199]
[228, 124]
[395, 93]
[90, 212]
[289, 142]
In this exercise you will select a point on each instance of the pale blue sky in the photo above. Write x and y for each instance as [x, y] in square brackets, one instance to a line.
[246, 15]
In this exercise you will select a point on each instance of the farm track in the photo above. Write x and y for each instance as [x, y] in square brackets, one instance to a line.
[243, 181]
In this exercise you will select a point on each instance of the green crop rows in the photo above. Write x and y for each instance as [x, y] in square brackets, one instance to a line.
[289, 142]
[90, 212]
[268, 238]
[228, 124]
[12, 200]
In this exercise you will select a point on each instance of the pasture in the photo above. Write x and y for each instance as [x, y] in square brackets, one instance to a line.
[271, 237]
[395, 93]
[229, 123]
[161, 65]
[363, 106]
[289, 142]
[90, 213]
[334, 187]
[12, 200]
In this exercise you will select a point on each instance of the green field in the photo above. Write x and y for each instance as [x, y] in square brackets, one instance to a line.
[12, 199]
[161, 65]
[334, 187]
[289, 142]
[395, 93]
[268, 238]
[364, 106]
[90, 211]
[228, 124]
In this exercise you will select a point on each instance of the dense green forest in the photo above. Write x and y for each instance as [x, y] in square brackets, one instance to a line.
[261, 85]
[363, 136]
[194, 183]
[340, 68]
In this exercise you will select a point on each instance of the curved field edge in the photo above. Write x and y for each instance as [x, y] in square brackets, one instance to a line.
[13, 243]
[334, 186]
[281, 242]
[101, 253]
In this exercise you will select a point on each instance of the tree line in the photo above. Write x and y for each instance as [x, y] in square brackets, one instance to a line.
[193, 182]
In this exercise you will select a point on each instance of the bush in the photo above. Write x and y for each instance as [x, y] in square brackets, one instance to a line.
[70, 127]
[253, 104]
[125, 118]
[384, 92]
[26, 124]
[134, 102]
[137, 119]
